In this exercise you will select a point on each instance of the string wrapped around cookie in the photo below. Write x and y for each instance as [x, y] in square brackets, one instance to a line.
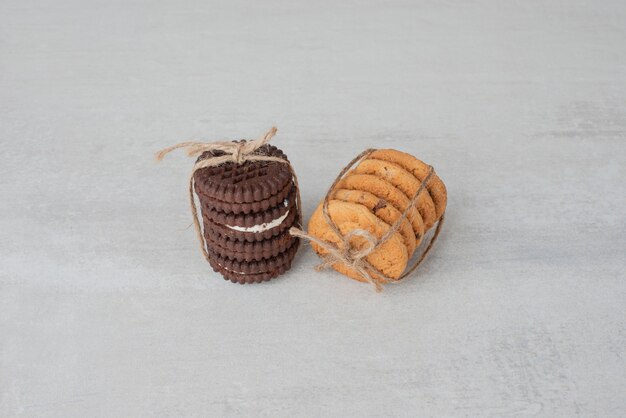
[374, 216]
[248, 205]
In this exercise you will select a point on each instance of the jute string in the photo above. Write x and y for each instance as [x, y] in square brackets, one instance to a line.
[235, 152]
[355, 258]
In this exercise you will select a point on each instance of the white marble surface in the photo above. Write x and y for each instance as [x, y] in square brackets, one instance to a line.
[108, 309]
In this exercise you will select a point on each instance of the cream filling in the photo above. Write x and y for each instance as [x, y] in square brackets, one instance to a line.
[232, 271]
[262, 227]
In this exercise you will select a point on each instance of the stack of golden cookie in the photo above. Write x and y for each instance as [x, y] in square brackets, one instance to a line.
[371, 197]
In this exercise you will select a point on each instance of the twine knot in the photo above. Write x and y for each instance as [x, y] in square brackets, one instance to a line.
[238, 153]
[356, 255]
[345, 253]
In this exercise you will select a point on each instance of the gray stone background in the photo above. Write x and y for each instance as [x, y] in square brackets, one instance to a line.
[108, 309]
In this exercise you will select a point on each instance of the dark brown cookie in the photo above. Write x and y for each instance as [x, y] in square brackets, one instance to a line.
[250, 251]
[242, 220]
[255, 271]
[257, 266]
[215, 229]
[252, 181]
[248, 278]
[246, 208]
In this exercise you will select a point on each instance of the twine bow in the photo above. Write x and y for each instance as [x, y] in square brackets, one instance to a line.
[235, 152]
[356, 258]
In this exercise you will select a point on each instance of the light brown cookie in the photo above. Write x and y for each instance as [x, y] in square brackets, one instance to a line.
[419, 169]
[403, 180]
[390, 258]
[383, 190]
[382, 209]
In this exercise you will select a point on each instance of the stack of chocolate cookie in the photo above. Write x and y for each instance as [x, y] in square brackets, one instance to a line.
[247, 210]
[372, 197]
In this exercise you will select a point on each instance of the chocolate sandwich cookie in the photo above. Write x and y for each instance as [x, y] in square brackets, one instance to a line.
[232, 184]
[249, 207]
[248, 278]
[253, 271]
[241, 221]
[250, 251]
[248, 200]
[263, 265]
[255, 226]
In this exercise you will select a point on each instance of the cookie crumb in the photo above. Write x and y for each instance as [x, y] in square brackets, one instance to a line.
[381, 204]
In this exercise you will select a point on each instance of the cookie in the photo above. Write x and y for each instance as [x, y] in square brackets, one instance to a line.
[256, 232]
[248, 278]
[242, 221]
[246, 208]
[390, 258]
[382, 209]
[264, 265]
[250, 251]
[405, 182]
[419, 169]
[252, 181]
[383, 190]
